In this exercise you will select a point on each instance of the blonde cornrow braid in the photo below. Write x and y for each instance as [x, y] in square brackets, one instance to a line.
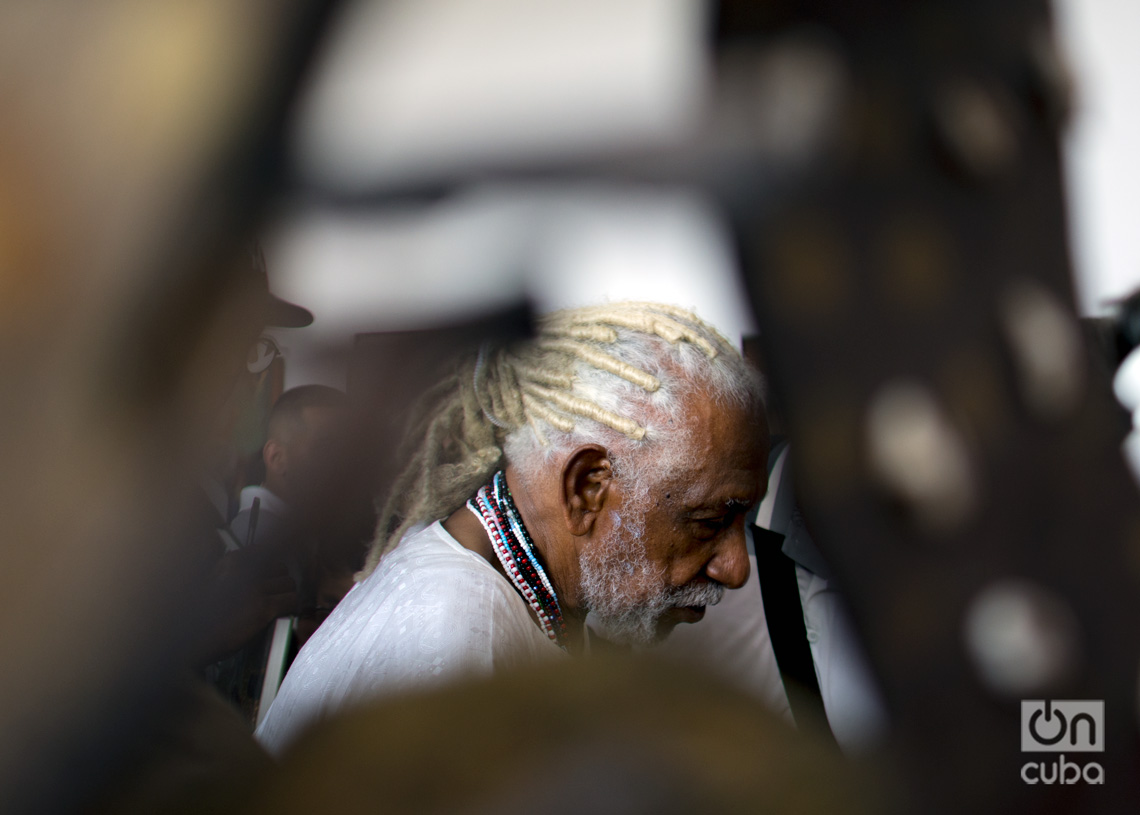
[663, 320]
[576, 406]
[553, 379]
[466, 419]
[539, 409]
[591, 333]
[603, 361]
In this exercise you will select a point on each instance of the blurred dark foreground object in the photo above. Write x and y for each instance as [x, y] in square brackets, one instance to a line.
[139, 145]
[1115, 336]
[603, 735]
[194, 754]
[957, 448]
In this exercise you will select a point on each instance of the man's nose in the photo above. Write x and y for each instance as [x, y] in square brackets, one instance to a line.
[730, 564]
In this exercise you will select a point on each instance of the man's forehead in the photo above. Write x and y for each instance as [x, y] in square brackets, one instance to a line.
[734, 491]
[724, 474]
[726, 457]
[727, 433]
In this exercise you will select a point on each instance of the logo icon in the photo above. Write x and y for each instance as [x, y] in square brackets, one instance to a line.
[1062, 726]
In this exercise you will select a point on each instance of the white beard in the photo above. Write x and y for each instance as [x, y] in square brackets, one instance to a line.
[627, 595]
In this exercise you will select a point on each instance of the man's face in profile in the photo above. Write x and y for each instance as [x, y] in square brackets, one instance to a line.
[665, 558]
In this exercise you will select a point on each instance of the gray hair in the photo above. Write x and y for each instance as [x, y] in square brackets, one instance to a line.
[620, 375]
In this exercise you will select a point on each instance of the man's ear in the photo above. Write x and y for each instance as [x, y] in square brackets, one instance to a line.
[586, 479]
[273, 454]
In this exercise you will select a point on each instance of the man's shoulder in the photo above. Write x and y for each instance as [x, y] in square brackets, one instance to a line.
[432, 567]
[427, 596]
[433, 549]
[432, 611]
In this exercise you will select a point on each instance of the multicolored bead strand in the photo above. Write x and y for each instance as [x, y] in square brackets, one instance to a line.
[496, 511]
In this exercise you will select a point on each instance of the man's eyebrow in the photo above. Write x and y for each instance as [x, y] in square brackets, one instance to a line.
[728, 505]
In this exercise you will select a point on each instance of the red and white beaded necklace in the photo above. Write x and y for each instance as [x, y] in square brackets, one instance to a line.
[496, 511]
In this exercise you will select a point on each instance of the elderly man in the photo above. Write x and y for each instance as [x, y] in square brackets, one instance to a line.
[605, 468]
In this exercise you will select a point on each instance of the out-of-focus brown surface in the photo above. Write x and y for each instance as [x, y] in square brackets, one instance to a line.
[117, 116]
[614, 735]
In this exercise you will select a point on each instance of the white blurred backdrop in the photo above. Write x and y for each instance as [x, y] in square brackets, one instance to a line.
[411, 91]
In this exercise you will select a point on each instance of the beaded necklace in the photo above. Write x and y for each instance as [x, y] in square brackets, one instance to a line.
[496, 510]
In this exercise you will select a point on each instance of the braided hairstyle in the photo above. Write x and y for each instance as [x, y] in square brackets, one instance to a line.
[618, 374]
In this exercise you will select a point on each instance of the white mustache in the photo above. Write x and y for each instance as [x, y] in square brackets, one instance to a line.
[697, 594]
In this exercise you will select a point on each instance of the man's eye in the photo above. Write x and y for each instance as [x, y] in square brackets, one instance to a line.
[711, 525]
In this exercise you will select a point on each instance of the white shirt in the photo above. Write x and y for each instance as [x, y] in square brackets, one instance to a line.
[733, 640]
[432, 611]
[269, 500]
[273, 515]
[851, 697]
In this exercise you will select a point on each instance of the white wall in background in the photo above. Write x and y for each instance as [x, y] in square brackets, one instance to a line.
[396, 269]
[1103, 146]
[417, 89]
[566, 246]
[624, 245]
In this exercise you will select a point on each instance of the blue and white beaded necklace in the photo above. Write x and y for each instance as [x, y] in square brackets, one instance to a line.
[496, 511]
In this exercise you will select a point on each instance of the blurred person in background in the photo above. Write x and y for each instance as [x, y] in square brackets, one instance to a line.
[246, 589]
[269, 533]
[285, 522]
[198, 745]
[301, 439]
[604, 468]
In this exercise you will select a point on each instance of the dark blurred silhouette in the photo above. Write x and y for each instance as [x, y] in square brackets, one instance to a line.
[308, 521]
[195, 740]
[599, 735]
[303, 456]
